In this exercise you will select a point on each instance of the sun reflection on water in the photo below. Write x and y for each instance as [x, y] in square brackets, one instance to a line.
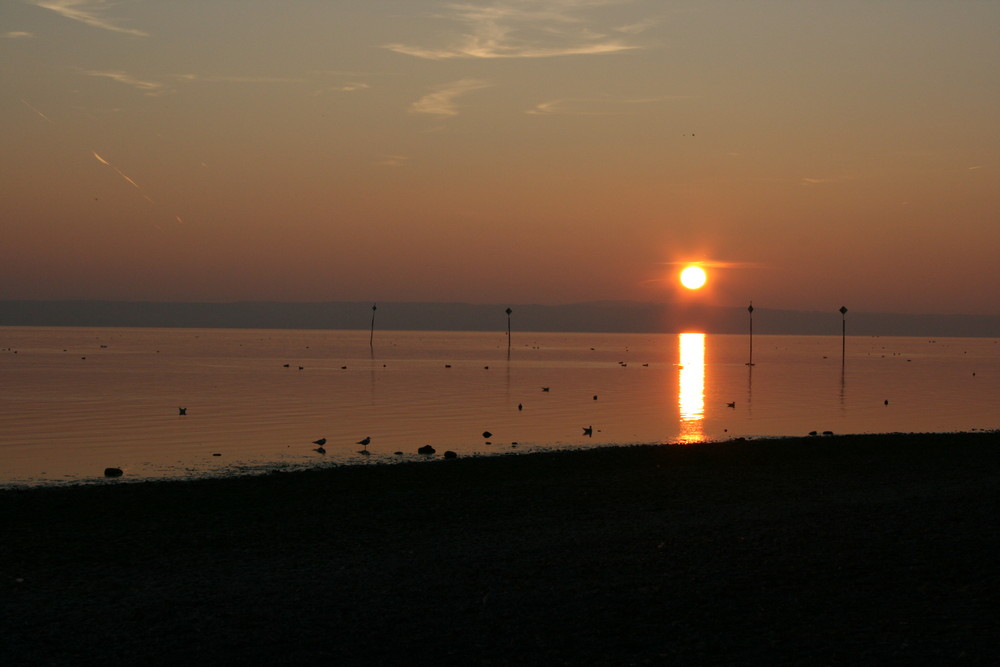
[691, 389]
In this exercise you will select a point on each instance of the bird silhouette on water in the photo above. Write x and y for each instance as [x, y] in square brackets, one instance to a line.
[320, 449]
[364, 443]
[182, 411]
[588, 431]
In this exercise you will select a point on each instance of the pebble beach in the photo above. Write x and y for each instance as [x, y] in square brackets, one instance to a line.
[867, 549]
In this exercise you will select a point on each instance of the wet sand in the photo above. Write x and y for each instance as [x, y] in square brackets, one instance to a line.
[827, 550]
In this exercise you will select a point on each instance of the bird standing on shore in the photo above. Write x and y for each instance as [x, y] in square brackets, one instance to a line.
[364, 443]
[588, 431]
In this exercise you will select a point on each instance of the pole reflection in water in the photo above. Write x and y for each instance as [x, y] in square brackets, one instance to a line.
[691, 387]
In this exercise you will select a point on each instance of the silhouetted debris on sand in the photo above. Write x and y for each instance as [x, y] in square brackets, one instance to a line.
[836, 550]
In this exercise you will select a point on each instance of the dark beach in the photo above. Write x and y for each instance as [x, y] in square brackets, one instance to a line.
[826, 550]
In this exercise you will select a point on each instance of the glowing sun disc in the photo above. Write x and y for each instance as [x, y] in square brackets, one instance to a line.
[693, 277]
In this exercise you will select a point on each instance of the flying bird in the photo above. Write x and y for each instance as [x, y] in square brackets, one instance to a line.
[588, 431]
[182, 411]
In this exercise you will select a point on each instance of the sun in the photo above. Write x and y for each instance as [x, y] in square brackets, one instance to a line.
[693, 277]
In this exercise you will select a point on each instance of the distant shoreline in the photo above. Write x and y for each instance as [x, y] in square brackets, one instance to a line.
[599, 317]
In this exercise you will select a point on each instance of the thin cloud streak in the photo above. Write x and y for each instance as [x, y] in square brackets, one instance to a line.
[25, 103]
[520, 29]
[237, 79]
[717, 264]
[123, 175]
[806, 180]
[442, 101]
[18, 34]
[393, 161]
[638, 26]
[595, 106]
[151, 88]
[88, 12]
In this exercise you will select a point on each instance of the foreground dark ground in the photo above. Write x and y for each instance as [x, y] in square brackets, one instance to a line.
[842, 550]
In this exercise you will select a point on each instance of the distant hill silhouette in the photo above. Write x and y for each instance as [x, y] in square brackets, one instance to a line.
[624, 317]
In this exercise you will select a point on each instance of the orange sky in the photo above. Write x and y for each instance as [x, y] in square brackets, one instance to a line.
[536, 151]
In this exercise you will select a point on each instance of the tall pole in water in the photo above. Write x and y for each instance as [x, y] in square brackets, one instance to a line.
[508, 311]
[371, 337]
[750, 310]
[843, 335]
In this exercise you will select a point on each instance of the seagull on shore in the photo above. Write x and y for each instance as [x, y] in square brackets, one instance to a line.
[320, 442]
[588, 431]
[364, 443]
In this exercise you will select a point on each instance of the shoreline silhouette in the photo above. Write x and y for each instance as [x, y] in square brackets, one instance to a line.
[837, 549]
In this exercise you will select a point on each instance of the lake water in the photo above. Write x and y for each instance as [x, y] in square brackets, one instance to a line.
[74, 401]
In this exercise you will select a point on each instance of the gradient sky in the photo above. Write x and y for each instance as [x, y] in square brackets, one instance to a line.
[811, 153]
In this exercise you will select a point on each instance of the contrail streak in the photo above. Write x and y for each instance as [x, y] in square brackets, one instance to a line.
[25, 103]
[123, 175]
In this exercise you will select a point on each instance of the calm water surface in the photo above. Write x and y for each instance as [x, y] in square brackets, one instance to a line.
[76, 400]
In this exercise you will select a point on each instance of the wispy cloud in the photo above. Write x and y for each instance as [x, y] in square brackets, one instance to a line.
[638, 26]
[594, 106]
[237, 79]
[349, 87]
[393, 161]
[441, 102]
[523, 29]
[18, 34]
[89, 12]
[806, 180]
[151, 88]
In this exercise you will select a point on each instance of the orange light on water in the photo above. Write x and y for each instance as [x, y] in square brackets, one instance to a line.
[691, 387]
